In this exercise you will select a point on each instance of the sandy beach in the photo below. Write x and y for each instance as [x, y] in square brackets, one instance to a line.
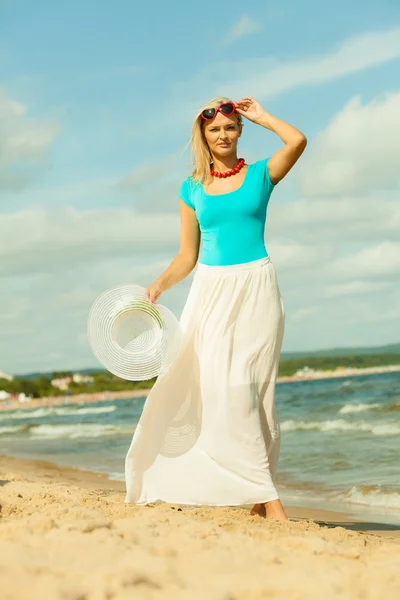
[67, 534]
[72, 399]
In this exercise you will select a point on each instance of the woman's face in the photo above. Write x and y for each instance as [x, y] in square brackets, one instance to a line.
[222, 134]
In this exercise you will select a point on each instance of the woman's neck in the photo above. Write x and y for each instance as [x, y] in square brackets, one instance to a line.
[224, 164]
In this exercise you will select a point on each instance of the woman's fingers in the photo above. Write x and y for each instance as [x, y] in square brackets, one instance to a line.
[244, 103]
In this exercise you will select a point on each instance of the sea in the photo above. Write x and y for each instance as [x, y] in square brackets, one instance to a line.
[340, 441]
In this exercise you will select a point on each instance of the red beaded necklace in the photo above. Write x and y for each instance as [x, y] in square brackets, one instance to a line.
[230, 172]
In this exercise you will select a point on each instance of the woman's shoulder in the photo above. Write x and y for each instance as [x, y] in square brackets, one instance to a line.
[261, 168]
[190, 179]
[257, 164]
[187, 191]
[190, 183]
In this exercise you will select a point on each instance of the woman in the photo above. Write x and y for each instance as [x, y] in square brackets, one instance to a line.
[209, 433]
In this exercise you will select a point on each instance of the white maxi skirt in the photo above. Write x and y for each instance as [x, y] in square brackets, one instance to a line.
[209, 432]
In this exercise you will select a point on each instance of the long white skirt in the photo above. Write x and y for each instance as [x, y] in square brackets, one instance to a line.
[209, 432]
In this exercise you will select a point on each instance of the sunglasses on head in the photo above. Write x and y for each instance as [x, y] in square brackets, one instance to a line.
[228, 108]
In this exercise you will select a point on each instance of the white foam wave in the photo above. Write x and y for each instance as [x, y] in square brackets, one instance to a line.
[12, 429]
[81, 430]
[61, 411]
[346, 383]
[372, 497]
[27, 414]
[355, 408]
[94, 410]
[340, 425]
[117, 476]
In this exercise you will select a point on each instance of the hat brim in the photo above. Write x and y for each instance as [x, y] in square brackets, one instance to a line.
[130, 336]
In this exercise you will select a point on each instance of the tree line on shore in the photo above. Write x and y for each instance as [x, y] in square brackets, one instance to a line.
[103, 381]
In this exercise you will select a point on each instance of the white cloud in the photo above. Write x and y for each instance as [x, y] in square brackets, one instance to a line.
[54, 275]
[51, 311]
[24, 143]
[355, 288]
[335, 220]
[39, 240]
[355, 54]
[358, 152]
[267, 77]
[373, 262]
[302, 314]
[153, 186]
[43, 311]
[303, 234]
[241, 28]
[148, 173]
[295, 257]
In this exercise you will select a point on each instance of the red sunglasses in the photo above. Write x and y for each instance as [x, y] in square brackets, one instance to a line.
[228, 108]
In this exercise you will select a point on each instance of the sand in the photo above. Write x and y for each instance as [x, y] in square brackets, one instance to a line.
[67, 534]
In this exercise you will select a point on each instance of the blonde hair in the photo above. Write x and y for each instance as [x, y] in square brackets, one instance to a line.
[200, 153]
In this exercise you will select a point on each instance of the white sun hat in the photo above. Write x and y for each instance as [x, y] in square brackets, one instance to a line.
[132, 337]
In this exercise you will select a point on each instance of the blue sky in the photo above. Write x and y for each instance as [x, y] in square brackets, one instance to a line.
[96, 104]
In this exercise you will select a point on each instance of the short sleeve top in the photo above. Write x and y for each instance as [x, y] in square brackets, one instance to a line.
[232, 224]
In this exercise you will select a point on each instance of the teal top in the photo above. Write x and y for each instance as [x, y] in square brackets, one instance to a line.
[232, 224]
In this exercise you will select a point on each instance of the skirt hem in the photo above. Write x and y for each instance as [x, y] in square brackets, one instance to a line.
[202, 503]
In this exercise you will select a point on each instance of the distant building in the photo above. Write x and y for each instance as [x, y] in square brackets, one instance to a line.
[61, 383]
[23, 397]
[79, 378]
[4, 395]
[305, 371]
[5, 376]
[309, 372]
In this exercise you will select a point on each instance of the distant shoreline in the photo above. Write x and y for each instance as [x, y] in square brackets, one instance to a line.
[337, 373]
[140, 393]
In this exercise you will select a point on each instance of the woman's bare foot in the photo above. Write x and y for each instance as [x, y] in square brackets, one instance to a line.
[258, 509]
[275, 509]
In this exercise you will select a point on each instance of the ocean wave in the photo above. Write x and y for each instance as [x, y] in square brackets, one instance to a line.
[372, 496]
[346, 383]
[94, 410]
[25, 414]
[14, 429]
[48, 411]
[355, 408]
[116, 476]
[80, 430]
[340, 425]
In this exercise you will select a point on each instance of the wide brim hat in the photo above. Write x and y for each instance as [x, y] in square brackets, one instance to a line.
[132, 337]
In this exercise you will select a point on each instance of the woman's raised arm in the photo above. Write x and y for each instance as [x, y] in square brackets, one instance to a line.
[295, 142]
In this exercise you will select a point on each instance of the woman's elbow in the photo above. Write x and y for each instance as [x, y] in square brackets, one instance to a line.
[189, 257]
[301, 141]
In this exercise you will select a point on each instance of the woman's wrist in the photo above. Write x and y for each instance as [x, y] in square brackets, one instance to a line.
[287, 133]
[265, 121]
[160, 284]
[179, 268]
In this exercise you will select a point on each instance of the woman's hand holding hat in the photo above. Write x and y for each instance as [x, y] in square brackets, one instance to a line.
[153, 291]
